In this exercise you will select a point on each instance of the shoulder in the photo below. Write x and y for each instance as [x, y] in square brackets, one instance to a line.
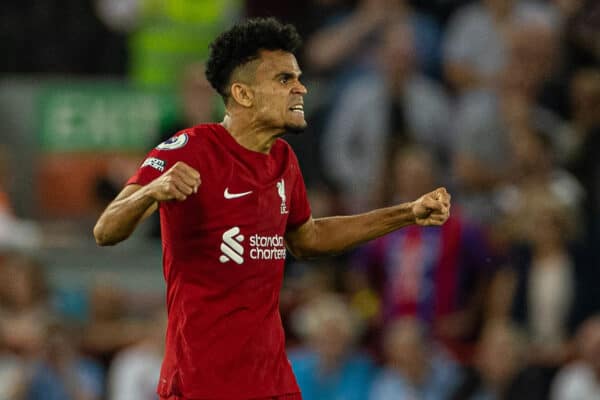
[281, 145]
[197, 146]
[192, 136]
[189, 144]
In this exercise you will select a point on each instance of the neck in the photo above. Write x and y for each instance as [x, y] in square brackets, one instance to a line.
[415, 375]
[252, 135]
[549, 248]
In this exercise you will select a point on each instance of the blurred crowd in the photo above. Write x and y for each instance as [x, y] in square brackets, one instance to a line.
[498, 100]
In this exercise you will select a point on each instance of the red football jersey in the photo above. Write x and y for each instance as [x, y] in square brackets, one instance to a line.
[223, 259]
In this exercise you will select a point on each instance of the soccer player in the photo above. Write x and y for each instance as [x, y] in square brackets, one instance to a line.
[231, 200]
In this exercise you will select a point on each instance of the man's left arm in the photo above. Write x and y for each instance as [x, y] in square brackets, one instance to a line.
[332, 235]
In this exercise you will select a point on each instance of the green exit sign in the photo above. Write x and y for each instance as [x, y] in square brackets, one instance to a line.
[102, 116]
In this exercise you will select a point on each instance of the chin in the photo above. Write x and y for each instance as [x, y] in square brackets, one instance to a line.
[295, 128]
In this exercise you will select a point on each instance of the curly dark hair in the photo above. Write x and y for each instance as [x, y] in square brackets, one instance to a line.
[242, 43]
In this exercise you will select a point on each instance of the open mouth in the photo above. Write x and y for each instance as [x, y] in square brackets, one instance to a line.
[299, 108]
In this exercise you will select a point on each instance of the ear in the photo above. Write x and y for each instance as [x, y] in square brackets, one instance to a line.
[242, 94]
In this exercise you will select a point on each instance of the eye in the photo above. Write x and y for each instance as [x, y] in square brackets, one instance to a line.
[284, 79]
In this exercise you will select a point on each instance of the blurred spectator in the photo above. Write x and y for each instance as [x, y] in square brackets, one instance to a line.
[582, 30]
[500, 371]
[118, 170]
[546, 276]
[109, 314]
[483, 158]
[330, 366]
[536, 171]
[199, 100]
[25, 289]
[13, 370]
[583, 159]
[24, 313]
[437, 275]
[581, 378]
[166, 35]
[475, 44]
[15, 233]
[303, 281]
[414, 368]
[24, 303]
[62, 373]
[346, 36]
[134, 372]
[395, 102]
[543, 223]
[343, 44]
[534, 67]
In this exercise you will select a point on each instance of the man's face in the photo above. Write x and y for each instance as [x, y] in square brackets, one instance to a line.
[397, 52]
[278, 93]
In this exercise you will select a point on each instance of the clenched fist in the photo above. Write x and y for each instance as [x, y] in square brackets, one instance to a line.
[177, 183]
[432, 208]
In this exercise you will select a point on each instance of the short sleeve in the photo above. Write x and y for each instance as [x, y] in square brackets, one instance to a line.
[161, 158]
[299, 206]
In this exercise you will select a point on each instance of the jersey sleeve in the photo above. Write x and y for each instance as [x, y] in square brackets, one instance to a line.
[299, 206]
[161, 158]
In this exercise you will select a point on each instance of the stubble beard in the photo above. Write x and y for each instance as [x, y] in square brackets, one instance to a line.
[295, 129]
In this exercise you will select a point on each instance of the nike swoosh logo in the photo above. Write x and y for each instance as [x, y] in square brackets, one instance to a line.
[234, 195]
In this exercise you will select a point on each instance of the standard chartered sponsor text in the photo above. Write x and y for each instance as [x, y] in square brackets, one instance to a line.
[267, 247]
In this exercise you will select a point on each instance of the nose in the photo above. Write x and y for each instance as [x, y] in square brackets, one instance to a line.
[299, 88]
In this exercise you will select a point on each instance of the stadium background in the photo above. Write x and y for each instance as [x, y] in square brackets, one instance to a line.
[499, 100]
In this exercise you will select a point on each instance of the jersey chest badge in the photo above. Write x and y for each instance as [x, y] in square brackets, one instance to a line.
[281, 192]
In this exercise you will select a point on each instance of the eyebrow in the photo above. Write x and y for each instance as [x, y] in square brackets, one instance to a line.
[287, 74]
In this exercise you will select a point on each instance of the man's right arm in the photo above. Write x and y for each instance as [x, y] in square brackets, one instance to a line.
[136, 202]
